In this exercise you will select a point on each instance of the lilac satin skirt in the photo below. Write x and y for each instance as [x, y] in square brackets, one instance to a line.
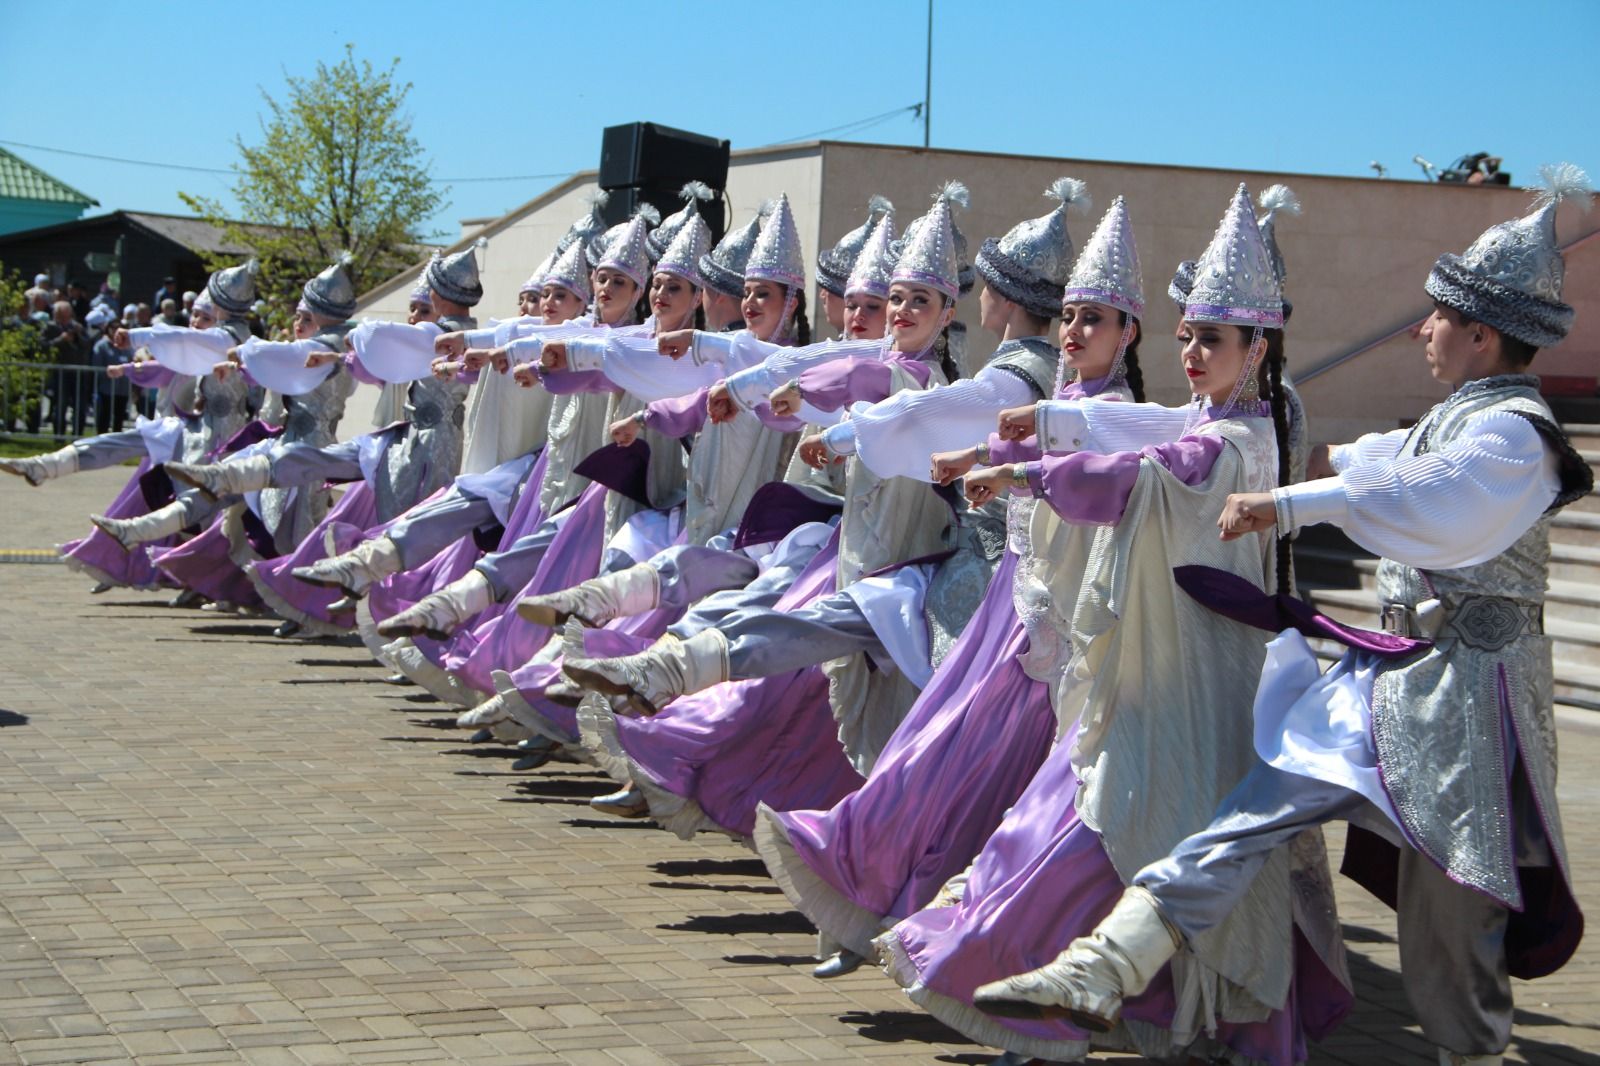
[1042, 881]
[966, 750]
[740, 744]
[204, 564]
[300, 601]
[103, 559]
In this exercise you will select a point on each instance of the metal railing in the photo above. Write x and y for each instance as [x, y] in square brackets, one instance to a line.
[65, 401]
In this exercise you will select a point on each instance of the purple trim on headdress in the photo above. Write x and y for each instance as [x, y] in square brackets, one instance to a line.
[1233, 316]
[868, 288]
[621, 268]
[682, 270]
[1103, 296]
[918, 277]
[303, 307]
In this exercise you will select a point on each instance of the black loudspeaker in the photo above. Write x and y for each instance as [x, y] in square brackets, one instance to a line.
[643, 153]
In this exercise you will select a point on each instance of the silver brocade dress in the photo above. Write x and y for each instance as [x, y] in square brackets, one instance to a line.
[424, 455]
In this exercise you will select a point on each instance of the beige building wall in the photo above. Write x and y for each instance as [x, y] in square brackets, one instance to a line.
[1357, 256]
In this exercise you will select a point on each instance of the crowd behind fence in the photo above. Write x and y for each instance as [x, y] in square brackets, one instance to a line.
[67, 401]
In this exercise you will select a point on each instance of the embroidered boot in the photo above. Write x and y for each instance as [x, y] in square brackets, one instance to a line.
[233, 478]
[439, 613]
[41, 468]
[142, 529]
[1088, 982]
[652, 678]
[596, 601]
[357, 569]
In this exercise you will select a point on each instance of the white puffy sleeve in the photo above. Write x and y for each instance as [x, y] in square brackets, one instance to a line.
[1458, 506]
[1371, 448]
[1065, 426]
[752, 386]
[634, 364]
[897, 436]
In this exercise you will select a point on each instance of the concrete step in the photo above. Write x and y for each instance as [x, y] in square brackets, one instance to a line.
[1584, 436]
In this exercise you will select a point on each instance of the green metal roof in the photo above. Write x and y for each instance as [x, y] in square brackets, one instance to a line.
[23, 180]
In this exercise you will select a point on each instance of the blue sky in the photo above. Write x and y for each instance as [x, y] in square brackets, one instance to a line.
[525, 88]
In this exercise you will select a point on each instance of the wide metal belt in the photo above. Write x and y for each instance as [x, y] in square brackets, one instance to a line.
[1487, 623]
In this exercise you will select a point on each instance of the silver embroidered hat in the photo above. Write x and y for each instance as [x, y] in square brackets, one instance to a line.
[1107, 272]
[331, 293]
[420, 293]
[723, 267]
[455, 277]
[589, 225]
[928, 254]
[1031, 263]
[662, 236]
[1234, 279]
[875, 263]
[1510, 278]
[835, 264]
[629, 254]
[1275, 200]
[1182, 281]
[571, 271]
[776, 255]
[600, 247]
[684, 255]
[233, 289]
[535, 280]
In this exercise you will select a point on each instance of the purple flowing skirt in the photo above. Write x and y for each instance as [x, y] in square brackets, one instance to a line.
[1042, 881]
[103, 559]
[708, 760]
[966, 750]
[300, 601]
[204, 564]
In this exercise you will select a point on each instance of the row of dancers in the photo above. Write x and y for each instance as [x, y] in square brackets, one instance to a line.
[1002, 675]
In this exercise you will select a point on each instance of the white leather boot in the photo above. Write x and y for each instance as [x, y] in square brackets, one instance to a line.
[41, 468]
[232, 478]
[357, 569]
[438, 614]
[652, 678]
[596, 601]
[1088, 982]
[142, 529]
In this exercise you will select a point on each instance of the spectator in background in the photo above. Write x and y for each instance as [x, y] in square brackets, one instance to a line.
[78, 297]
[188, 304]
[107, 297]
[169, 312]
[130, 316]
[168, 291]
[144, 315]
[66, 342]
[111, 394]
[40, 289]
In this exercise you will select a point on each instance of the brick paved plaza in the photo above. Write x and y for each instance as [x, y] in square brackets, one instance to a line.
[218, 846]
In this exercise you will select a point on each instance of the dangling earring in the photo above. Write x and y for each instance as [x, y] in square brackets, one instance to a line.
[1251, 393]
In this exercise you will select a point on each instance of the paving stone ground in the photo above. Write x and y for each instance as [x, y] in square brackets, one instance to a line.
[220, 847]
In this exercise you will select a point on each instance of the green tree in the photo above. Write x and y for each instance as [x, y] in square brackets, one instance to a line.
[336, 170]
[20, 385]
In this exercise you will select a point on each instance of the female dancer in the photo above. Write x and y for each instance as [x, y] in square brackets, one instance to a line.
[1159, 736]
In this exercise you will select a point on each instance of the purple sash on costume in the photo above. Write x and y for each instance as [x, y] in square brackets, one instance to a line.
[778, 508]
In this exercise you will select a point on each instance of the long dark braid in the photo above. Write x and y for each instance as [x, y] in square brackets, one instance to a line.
[1272, 371]
[802, 325]
[1131, 374]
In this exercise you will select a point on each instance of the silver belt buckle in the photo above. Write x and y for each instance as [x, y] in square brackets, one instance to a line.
[1396, 619]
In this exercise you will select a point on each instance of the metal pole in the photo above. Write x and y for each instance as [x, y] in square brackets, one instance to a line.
[927, 87]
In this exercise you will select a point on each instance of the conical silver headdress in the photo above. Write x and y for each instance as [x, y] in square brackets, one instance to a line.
[535, 280]
[600, 246]
[420, 292]
[1510, 278]
[571, 271]
[233, 289]
[1235, 282]
[724, 267]
[928, 254]
[835, 264]
[1030, 264]
[875, 263]
[589, 225]
[455, 277]
[684, 255]
[628, 253]
[1107, 272]
[1182, 281]
[662, 236]
[776, 255]
[331, 293]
